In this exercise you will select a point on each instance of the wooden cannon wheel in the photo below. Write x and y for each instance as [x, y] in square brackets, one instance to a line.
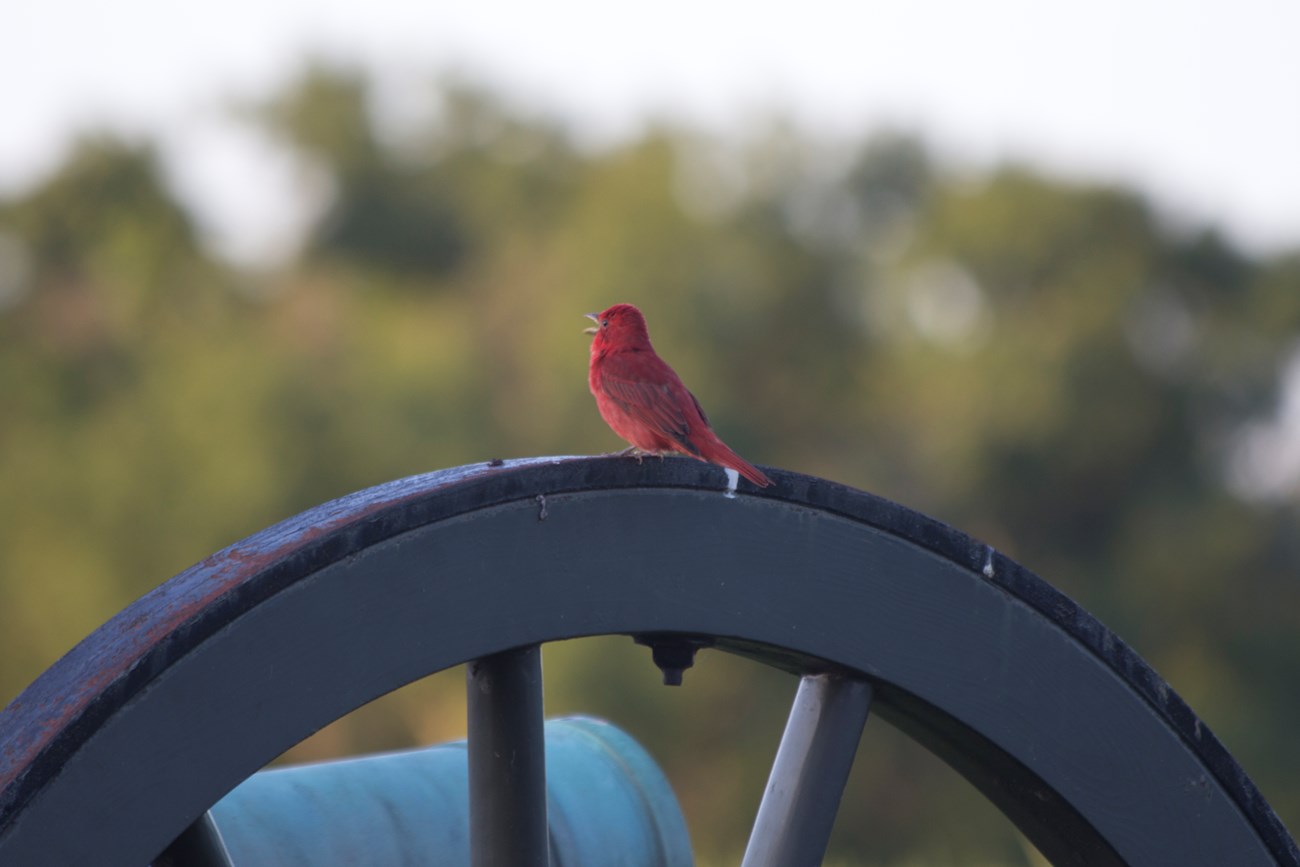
[123, 743]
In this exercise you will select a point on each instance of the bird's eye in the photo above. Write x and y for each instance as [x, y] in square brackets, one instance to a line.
[604, 323]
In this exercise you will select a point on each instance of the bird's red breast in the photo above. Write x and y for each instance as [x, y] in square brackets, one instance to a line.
[644, 401]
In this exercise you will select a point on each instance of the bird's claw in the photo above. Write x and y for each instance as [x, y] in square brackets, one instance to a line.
[640, 454]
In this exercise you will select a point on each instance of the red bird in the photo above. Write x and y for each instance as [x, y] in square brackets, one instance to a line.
[644, 401]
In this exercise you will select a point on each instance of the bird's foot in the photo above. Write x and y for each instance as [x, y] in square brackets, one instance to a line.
[633, 451]
[641, 454]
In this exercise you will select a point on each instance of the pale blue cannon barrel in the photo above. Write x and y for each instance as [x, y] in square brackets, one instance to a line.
[608, 805]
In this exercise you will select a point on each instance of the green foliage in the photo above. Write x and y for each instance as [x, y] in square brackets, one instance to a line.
[1046, 365]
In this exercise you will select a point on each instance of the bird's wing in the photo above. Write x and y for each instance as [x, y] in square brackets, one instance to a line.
[647, 390]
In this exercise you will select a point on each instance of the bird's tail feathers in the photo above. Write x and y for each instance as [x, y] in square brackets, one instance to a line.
[717, 452]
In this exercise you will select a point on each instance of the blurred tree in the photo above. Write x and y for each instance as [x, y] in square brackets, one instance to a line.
[109, 194]
[384, 215]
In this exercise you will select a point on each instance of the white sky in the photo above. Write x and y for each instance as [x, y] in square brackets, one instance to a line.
[1195, 102]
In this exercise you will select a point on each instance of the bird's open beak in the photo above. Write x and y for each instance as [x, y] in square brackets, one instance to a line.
[594, 317]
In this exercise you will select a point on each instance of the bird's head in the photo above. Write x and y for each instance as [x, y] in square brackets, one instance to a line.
[619, 325]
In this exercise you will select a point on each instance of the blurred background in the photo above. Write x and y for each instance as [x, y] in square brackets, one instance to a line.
[1031, 269]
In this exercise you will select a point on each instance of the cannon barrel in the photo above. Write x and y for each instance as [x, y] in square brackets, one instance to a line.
[607, 802]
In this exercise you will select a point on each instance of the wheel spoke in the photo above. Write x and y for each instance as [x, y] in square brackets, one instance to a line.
[507, 770]
[199, 845]
[812, 765]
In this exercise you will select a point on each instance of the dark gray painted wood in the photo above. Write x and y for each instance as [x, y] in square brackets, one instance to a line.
[507, 760]
[812, 765]
[124, 742]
